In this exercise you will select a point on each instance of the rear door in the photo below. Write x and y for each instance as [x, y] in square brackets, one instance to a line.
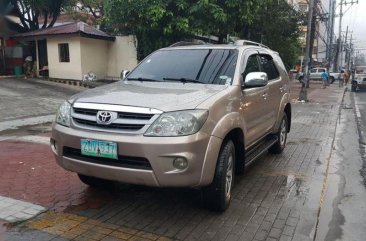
[254, 101]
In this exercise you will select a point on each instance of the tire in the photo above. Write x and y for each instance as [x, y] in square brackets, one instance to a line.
[217, 195]
[354, 87]
[281, 134]
[301, 79]
[95, 182]
[332, 80]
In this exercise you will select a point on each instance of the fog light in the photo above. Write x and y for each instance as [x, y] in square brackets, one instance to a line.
[180, 163]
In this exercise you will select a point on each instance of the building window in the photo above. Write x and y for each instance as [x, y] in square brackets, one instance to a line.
[63, 52]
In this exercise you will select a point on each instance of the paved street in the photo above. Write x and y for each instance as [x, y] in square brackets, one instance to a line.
[359, 101]
[307, 193]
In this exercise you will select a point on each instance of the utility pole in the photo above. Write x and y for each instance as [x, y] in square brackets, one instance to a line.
[339, 63]
[350, 53]
[339, 52]
[345, 48]
[308, 53]
[330, 47]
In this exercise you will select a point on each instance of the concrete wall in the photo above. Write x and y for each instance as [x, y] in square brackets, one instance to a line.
[104, 58]
[61, 70]
[94, 56]
[122, 55]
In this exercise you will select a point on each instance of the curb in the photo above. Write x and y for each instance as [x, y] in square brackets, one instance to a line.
[70, 82]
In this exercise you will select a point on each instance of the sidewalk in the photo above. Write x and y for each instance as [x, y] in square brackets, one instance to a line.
[278, 198]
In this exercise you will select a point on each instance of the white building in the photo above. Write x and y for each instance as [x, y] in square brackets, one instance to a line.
[72, 50]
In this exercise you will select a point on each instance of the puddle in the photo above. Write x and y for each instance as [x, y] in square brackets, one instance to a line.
[294, 184]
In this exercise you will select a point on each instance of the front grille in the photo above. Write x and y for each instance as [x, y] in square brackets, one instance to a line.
[85, 111]
[123, 161]
[110, 126]
[135, 116]
[126, 121]
[121, 115]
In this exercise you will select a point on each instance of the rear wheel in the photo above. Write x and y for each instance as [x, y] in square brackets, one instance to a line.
[94, 181]
[218, 194]
[281, 135]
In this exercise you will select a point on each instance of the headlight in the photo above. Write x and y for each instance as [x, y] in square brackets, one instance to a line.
[63, 114]
[180, 123]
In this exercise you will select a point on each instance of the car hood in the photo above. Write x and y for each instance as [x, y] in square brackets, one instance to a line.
[163, 96]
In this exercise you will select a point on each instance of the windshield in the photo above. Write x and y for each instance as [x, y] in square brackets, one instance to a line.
[207, 66]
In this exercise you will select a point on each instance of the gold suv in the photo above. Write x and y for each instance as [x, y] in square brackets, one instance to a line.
[186, 116]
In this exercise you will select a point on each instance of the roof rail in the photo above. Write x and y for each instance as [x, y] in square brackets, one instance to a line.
[187, 43]
[247, 42]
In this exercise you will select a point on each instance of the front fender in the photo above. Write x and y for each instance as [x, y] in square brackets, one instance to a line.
[227, 123]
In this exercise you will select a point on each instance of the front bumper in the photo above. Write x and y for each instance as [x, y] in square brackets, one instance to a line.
[200, 149]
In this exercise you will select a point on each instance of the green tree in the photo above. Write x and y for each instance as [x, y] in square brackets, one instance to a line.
[86, 10]
[277, 26]
[29, 11]
[158, 23]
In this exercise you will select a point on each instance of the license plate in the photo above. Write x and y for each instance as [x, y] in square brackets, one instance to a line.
[97, 148]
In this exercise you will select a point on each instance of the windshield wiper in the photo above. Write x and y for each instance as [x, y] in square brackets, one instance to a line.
[144, 79]
[184, 80]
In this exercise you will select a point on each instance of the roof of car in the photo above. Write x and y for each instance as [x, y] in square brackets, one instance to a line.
[241, 43]
[205, 46]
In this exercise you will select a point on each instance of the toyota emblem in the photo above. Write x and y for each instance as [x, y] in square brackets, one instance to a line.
[106, 117]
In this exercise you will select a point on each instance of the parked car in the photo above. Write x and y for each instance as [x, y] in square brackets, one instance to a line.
[359, 82]
[315, 74]
[187, 116]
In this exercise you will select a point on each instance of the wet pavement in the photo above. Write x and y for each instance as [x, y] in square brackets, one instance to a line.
[298, 195]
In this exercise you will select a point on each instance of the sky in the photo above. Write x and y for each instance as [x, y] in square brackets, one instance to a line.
[355, 18]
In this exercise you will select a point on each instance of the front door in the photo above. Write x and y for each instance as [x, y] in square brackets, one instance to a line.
[254, 102]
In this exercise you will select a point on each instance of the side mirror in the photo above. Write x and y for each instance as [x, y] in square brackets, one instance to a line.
[255, 79]
[124, 73]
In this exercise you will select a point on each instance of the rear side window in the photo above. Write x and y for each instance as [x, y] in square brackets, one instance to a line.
[321, 70]
[269, 67]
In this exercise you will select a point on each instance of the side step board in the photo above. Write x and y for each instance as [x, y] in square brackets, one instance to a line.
[259, 149]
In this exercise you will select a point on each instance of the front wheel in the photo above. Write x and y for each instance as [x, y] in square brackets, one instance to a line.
[218, 194]
[332, 80]
[281, 135]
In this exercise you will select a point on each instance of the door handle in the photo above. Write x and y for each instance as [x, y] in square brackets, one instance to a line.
[265, 95]
[282, 89]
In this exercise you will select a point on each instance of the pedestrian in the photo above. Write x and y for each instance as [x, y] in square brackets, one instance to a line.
[341, 78]
[346, 77]
[324, 77]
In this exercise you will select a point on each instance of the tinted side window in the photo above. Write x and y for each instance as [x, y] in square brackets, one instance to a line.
[313, 71]
[321, 70]
[252, 65]
[268, 67]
